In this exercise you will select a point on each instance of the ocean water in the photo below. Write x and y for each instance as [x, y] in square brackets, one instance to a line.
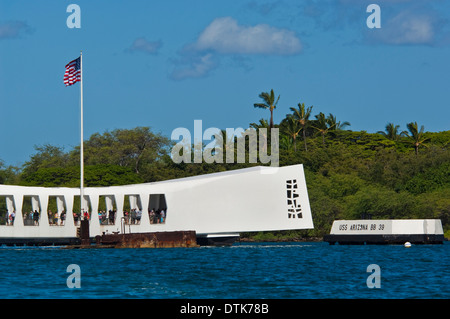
[310, 270]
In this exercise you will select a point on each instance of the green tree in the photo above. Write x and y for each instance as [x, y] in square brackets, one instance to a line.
[269, 103]
[286, 142]
[335, 125]
[391, 132]
[94, 176]
[263, 134]
[291, 128]
[262, 124]
[9, 174]
[380, 202]
[416, 136]
[301, 115]
[133, 148]
[46, 156]
[322, 126]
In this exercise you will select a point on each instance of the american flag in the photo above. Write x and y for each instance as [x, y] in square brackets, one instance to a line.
[73, 72]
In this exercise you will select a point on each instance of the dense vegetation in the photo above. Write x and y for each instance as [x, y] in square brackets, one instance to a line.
[388, 174]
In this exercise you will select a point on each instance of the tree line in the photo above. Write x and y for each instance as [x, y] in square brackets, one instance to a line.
[349, 174]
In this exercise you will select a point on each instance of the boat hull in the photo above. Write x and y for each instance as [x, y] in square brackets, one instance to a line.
[39, 241]
[383, 239]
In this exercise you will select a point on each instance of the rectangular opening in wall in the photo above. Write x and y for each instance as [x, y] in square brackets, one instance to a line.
[157, 208]
[7, 210]
[78, 215]
[107, 210]
[31, 210]
[57, 210]
[132, 210]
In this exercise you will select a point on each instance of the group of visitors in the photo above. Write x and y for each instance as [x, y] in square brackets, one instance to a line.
[107, 219]
[31, 218]
[133, 217]
[9, 217]
[56, 219]
[78, 216]
[157, 217]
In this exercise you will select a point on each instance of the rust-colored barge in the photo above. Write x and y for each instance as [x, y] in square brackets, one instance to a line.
[148, 240]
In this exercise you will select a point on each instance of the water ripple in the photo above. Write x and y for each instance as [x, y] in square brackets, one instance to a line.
[247, 270]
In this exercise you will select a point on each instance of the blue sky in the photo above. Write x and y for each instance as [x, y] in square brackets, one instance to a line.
[165, 64]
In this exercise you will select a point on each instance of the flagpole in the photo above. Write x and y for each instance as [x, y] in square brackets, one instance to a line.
[81, 139]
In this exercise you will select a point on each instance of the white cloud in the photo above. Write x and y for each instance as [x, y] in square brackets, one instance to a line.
[13, 29]
[403, 22]
[142, 45]
[226, 36]
[408, 28]
[194, 67]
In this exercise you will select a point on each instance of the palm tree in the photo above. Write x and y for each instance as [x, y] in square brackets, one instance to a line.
[262, 124]
[302, 117]
[285, 142]
[332, 121]
[417, 137]
[323, 126]
[228, 149]
[269, 103]
[391, 132]
[290, 126]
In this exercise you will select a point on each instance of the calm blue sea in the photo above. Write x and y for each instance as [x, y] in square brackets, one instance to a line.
[242, 271]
